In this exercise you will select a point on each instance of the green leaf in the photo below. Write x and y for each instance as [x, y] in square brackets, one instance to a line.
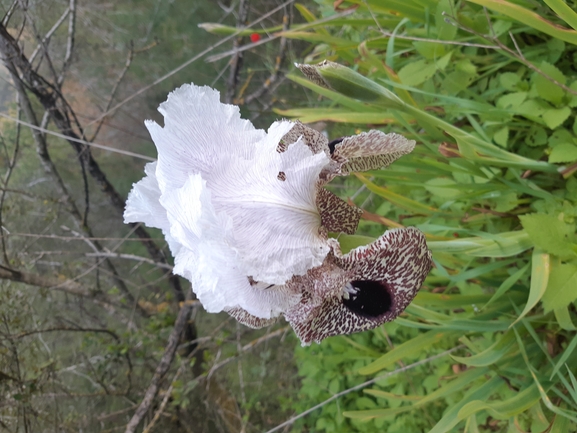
[512, 100]
[546, 89]
[565, 152]
[490, 355]
[509, 80]
[549, 233]
[451, 416]
[443, 187]
[311, 115]
[540, 271]
[416, 73]
[563, 11]
[408, 349]
[565, 356]
[397, 199]
[522, 401]
[529, 18]
[502, 136]
[561, 288]
[564, 319]
[505, 245]
[463, 380]
[537, 136]
[554, 117]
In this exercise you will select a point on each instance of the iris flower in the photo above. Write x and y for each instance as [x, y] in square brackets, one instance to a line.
[246, 218]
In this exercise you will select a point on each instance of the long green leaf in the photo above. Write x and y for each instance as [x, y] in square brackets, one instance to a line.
[408, 349]
[529, 18]
[540, 269]
[490, 355]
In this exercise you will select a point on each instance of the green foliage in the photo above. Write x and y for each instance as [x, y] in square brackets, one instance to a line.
[489, 95]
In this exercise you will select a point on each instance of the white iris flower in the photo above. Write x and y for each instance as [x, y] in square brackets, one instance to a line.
[246, 217]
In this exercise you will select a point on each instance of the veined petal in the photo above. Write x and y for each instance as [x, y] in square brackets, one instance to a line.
[143, 203]
[276, 222]
[198, 130]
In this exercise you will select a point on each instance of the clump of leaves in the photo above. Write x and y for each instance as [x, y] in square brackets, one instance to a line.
[489, 90]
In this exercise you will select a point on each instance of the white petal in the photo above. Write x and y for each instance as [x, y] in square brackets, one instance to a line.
[276, 223]
[198, 130]
[143, 203]
[209, 259]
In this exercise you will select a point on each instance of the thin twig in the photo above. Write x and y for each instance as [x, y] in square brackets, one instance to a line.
[114, 89]
[237, 60]
[162, 367]
[364, 385]
[5, 181]
[187, 63]
[279, 60]
[164, 401]
[78, 140]
[246, 348]
[48, 35]
[69, 42]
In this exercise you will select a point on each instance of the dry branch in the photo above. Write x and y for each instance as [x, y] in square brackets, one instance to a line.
[162, 367]
[60, 112]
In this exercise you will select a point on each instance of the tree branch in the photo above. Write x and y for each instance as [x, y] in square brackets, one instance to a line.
[162, 367]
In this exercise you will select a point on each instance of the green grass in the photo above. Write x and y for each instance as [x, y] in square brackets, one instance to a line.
[489, 96]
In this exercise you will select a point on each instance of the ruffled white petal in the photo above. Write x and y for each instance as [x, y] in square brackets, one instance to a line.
[209, 257]
[198, 129]
[143, 203]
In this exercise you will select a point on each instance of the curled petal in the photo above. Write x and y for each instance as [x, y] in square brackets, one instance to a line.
[370, 151]
[248, 319]
[143, 203]
[315, 140]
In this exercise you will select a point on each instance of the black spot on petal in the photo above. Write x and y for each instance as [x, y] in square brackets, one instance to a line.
[333, 143]
[372, 299]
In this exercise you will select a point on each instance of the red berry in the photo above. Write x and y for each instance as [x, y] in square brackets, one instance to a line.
[254, 37]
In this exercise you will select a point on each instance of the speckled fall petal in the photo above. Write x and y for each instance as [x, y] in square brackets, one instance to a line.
[386, 275]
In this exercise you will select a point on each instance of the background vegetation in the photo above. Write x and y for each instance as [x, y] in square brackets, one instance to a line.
[487, 88]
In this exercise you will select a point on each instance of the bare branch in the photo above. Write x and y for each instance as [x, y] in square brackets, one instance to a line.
[53, 101]
[162, 367]
[69, 42]
[64, 328]
[114, 89]
[48, 35]
[280, 58]
[188, 62]
[237, 59]
[67, 286]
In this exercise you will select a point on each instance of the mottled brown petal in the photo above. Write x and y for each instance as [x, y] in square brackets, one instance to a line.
[315, 140]
[371, 150]
[336, 214]
[400, 257]
[248, 319]
[310, 71]
[387, 274]
[332, 318]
